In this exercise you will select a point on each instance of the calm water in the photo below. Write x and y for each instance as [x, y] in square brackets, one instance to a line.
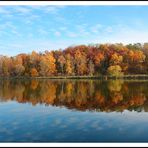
[73, 111]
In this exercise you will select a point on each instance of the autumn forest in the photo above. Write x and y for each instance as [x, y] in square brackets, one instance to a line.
[82, 60]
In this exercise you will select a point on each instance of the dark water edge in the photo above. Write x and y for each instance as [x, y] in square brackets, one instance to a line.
[104, 77]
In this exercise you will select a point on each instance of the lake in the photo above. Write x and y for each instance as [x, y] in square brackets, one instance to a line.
[73, 111]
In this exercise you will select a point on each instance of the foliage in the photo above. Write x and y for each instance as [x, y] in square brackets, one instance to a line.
[103, 59]
[115, 70]
[34, 72]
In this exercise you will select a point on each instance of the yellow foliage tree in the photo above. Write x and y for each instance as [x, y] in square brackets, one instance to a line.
[68, 65]
[47, 65]
[115, 70]
[116, 59]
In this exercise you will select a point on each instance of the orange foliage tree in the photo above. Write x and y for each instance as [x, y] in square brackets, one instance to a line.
[80, 60]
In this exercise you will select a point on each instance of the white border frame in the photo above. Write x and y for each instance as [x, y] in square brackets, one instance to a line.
[73, 144]
[70, 3]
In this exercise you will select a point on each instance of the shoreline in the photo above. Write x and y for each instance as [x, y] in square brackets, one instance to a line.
[105, 77]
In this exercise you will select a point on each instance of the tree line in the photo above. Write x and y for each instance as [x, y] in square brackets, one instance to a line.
[91, 60]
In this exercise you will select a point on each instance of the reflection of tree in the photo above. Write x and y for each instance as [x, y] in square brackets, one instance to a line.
[115, 88]
[77, 94]
[34, 84]
[99, 98]
[115, 85]
[137, 100]
[117, 97]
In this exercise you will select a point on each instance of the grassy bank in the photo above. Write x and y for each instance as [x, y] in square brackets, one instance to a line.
[105, 77]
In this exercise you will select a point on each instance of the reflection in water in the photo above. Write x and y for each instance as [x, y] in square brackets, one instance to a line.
[104, 111]
[92, 95]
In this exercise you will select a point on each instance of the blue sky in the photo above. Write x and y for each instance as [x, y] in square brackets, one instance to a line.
[40, 28]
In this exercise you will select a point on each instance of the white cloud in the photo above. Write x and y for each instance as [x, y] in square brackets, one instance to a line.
[83, 33]
[80, 26]
[51, 9]
[130, 36]
[122, 34]
[30, 35]
[22, 9]
[9, 27]
[96, 28]
[109, 29]
[30, 19]
[5, 13]
[80, 31]
[3, 10]
[72, 34]
[21, 13]
[57, 33]
[63, 28]
[75, 33]
[27, 46]
[16, 33]
[43, 31]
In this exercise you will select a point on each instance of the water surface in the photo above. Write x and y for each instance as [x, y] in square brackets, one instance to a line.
[73, 111]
